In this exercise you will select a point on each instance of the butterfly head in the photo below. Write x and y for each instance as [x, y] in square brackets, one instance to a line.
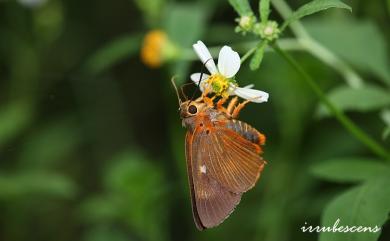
[191, 108]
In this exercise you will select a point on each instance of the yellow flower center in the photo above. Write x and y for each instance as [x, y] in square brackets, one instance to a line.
[152, 48]
[219, 84]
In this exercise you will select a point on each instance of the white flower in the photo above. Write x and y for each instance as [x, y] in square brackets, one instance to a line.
[228, 65]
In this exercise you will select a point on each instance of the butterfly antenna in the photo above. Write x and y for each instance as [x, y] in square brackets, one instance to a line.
[177, 92]
[182, 90]
[200, 78]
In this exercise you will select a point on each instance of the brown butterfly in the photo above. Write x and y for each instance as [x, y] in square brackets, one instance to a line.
[223, 157]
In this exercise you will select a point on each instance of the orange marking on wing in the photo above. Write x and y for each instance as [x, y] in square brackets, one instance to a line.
[262, 139]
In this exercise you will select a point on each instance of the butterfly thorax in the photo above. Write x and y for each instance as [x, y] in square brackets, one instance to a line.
[206, 118]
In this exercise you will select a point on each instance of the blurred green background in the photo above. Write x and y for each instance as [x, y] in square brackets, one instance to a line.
[91, 143]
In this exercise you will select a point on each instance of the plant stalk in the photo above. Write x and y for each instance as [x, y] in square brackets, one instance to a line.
[312, 46]
[340, 116]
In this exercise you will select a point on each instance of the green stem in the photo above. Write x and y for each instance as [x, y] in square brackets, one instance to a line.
[317, 49]
[261, 44]
[340, 116]
[247, 54]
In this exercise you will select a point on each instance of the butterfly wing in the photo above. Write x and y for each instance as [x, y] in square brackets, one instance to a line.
[211, 202]
[221, 166]
[230, 159]
[188, 150]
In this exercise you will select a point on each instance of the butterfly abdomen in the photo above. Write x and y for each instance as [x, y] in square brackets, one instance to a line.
[246, 131]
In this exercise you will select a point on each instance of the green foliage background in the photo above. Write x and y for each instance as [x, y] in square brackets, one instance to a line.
[91, 143]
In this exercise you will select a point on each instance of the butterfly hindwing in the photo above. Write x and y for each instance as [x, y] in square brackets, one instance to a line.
[211, 202]
[229, 158]
[188, 150]
[222, 165]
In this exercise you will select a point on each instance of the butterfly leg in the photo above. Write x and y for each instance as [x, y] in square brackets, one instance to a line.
[231, 106]
[238, 108]
[220, 104]
[209, 101]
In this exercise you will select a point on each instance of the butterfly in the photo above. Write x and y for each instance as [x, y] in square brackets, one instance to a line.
[223, 157]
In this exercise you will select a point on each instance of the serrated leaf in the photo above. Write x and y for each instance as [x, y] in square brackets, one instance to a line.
[313, 7]
[366, 98]
[113, 52]
[258, 56]
[359, 42]
[264, 10]
[367, 205]
[242, 7]
[349, 169]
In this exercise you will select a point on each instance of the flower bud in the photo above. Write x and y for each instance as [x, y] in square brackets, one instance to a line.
[268, 30]
[245, 23]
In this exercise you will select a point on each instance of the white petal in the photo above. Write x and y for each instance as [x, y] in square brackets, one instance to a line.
[204, 54]
[195, 77]
[250, 86]
[228, 62]
[256, 96]
[233, 87]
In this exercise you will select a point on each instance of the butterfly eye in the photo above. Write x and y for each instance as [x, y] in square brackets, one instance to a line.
[192, 109]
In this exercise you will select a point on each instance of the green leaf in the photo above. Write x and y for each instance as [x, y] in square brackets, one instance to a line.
[367, 205]
[14, 117]
[388, 6]
[366, 98]
[242, 7]
[264, 10]
[35, 183]
[385, 115]
[55, 141]
[101, 209]
[258, 56]
[313, 7]
[179, 20]
[185, 23]
[151, 10]
[117, 50]
[349, 169]
[105, 232]
[386, 133]
[360, 43]
[131, 181]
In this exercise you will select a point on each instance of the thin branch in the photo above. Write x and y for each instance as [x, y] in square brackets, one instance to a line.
[317, 49]
[340, 116]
